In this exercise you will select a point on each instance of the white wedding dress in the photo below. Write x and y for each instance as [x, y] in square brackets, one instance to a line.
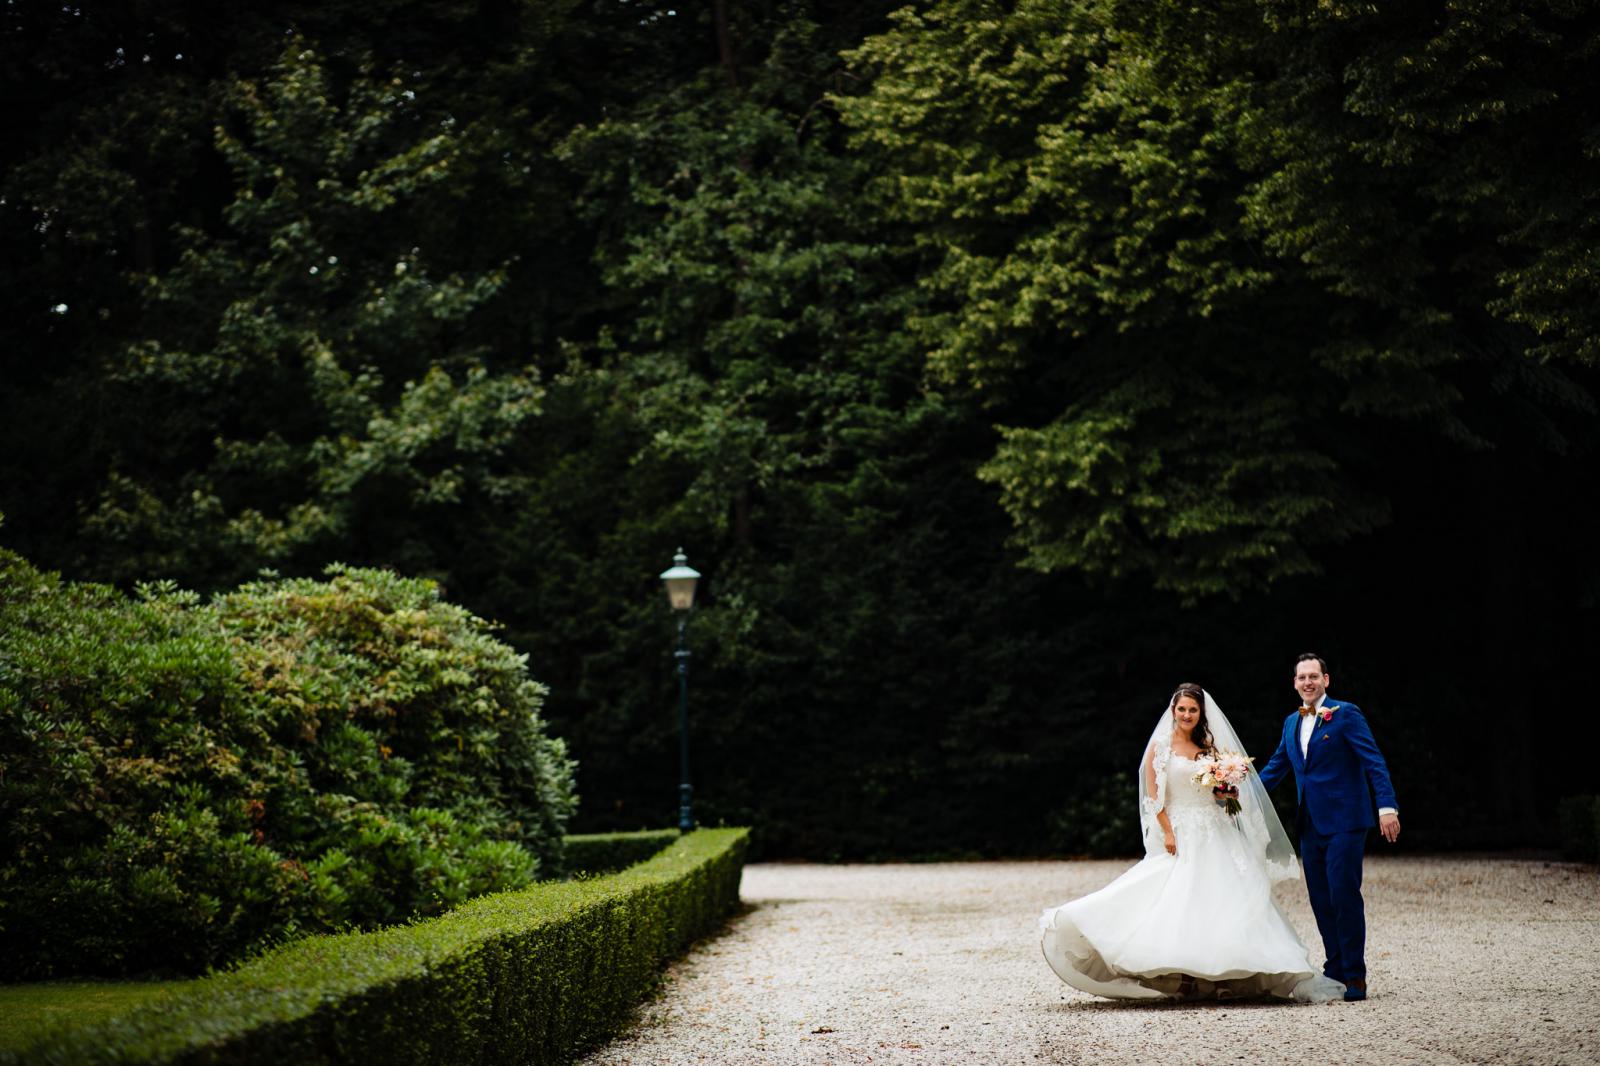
[1200, 923]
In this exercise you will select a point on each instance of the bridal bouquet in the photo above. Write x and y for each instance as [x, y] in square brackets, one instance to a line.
[1224, 771]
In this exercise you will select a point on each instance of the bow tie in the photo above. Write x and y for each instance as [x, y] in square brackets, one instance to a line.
[1305, 711]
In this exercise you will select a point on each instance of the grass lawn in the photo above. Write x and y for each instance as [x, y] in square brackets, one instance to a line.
[27, 1011]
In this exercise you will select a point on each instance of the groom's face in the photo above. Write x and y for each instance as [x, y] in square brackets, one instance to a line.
[1310, 682]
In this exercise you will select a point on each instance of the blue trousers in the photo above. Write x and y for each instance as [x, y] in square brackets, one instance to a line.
[1332, 864]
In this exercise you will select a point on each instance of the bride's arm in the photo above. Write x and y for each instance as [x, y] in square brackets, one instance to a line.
[1154, 793]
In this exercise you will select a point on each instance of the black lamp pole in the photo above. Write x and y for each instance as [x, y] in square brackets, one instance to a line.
[685, 790]
[680, 581]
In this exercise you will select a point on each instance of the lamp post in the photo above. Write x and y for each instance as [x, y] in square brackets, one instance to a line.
[680, 582]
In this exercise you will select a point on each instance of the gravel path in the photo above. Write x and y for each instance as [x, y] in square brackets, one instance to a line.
[1472, 959]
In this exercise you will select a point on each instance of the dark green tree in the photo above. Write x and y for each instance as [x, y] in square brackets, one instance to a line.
[1209, 265]
[763, 404]
[297, 272]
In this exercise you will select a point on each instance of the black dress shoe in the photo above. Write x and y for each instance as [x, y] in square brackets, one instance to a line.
[1355, 989]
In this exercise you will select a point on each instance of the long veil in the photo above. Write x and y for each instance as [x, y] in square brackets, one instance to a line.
[1257, 819]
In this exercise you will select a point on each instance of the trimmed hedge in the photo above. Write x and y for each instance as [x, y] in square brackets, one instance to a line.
[604, 853]
[533, 976]
[1579, 818]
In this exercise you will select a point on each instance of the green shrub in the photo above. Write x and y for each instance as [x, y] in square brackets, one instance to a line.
[602, 853]
[184, 783]
[532, 976]
[1579, 819]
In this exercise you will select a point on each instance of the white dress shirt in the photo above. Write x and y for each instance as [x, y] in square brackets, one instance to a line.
[1307, 724]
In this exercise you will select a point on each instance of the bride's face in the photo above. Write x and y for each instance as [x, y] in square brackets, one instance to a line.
[1185, 713]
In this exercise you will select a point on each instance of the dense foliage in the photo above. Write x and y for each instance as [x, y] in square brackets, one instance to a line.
[1218, 272]
[1579, 818]
[182, 783]
[534, 976]
[1001, 364]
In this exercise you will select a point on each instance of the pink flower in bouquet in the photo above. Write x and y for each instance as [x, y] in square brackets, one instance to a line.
[1232, 768]
[1224, 771]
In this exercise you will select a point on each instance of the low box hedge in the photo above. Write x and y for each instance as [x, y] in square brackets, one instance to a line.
[1579, 819]
[533, 976]
[604, 853]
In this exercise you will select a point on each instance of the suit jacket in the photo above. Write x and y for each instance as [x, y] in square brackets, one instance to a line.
[1340, 774]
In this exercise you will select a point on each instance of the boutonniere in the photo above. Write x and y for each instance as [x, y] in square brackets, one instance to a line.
[1324, 712]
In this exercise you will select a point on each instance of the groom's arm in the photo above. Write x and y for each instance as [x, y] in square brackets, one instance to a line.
[1359, 735]
[1278, 765]
[1361, 741]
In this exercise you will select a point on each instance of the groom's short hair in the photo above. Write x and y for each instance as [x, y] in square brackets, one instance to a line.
[1310, 657]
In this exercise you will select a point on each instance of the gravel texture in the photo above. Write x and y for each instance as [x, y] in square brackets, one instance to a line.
[1471, 959]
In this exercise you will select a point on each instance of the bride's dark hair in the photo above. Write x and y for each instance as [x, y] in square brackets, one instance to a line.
[1201, 734]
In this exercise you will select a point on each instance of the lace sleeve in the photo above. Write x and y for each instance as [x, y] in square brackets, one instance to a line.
[1155, 779]
[1153, 792]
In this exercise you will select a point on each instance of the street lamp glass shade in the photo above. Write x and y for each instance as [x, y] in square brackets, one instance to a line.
[680, 582]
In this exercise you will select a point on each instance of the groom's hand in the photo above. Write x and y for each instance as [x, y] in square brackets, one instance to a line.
[1389, 826]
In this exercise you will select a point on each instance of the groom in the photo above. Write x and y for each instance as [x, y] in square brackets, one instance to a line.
[1338, 770]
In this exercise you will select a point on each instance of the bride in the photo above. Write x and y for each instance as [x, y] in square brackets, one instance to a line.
[1195, 918]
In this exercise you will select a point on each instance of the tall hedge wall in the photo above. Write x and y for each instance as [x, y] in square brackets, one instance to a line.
[1579, 819]
[532, 976]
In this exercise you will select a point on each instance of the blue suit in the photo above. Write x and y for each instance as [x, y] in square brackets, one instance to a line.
[1339, 782]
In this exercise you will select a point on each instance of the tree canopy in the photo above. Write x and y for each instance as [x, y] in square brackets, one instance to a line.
[1001, 364]
[1220, 271]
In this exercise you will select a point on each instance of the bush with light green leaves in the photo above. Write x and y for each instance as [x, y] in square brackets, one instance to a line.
[183, 783]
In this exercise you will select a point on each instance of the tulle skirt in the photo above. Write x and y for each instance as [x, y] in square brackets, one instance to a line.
[1202, 923]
